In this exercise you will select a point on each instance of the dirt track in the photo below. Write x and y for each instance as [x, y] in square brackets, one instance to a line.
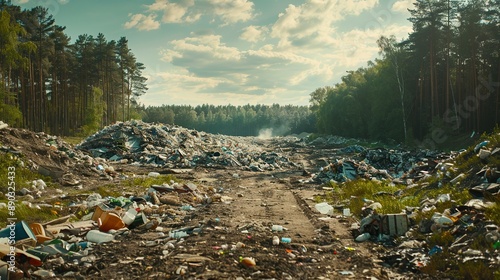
[321, 247]
[223, 232]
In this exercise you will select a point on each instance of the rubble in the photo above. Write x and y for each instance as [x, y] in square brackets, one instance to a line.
[402, 167]
[462, 225]
[170, 146]
[175, 234]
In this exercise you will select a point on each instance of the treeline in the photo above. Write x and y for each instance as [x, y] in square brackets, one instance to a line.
[442, 81]
[248, 120]
[49, 84]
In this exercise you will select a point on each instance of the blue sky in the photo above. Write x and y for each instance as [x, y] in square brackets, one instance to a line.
[238, 51]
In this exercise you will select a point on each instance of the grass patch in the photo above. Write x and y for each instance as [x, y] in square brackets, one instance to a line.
[135, 185]
[493, 213]
[25, 213]
[146, 181]
[357, 194]
[108, 190]
[12, 170]
[440, 263]
[477, 270]
[443, 239]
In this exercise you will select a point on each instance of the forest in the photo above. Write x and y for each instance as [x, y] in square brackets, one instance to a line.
[442, 81]
[48, 84]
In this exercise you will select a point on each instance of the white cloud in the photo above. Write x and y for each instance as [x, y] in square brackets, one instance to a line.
[207, 47]
[20, 2]
[254, 33]
[231, 11]
[265, 71]
[185, 11]
[63, 2]
[142, 22]
[402, 6]
[312, 23]
[308, 46]
[173, 12]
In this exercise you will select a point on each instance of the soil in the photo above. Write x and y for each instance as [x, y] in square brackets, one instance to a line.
[228, 232]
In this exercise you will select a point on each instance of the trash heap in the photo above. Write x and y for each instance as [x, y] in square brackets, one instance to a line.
[402, 167]
[51, 156]
[461, 234]
[71, 248]
[169, 146]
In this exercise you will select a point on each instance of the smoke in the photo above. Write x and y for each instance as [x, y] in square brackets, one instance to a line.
[265, 133]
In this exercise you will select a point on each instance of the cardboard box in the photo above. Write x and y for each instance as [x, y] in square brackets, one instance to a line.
[394, 224]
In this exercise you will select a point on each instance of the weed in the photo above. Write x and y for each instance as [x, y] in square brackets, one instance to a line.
[30, 215]
[493, 213]
[108, 190]
[148, 181]
[443, 239]
[12, 170]
[440, 262]
[476, 270]
[358, 194]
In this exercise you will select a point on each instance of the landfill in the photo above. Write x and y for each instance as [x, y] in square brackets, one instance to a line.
[241, 209]
[171, 146]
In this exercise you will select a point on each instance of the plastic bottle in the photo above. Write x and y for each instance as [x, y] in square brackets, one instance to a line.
[99, 237]
[178, 234]
[286, 240]
[277, 228]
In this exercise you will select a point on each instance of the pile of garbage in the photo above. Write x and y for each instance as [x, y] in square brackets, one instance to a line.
[53, 157]
[69, 248]
[170, 146]
[461, 232]
[402, 167]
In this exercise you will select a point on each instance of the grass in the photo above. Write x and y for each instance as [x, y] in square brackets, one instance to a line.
[23, 212]
[355, 193]
[14, 174]
[148, 181]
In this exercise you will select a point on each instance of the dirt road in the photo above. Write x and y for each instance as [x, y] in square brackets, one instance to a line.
[223, 235]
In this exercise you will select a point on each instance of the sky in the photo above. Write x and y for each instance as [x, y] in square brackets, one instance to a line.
[238, 51]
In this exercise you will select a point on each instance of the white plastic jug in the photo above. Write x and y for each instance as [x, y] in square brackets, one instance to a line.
[99, 236]
[129, 216]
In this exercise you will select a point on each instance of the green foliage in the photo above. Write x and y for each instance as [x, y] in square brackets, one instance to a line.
[22, 175]
[57, 93]
[493, 213]
[95, 111]
[432, 77]
[353, 194]
[443, 239]
[145, 181]
[108, 190]
[364, 105]
[30, 215]
[476, 270]
[10, 113]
